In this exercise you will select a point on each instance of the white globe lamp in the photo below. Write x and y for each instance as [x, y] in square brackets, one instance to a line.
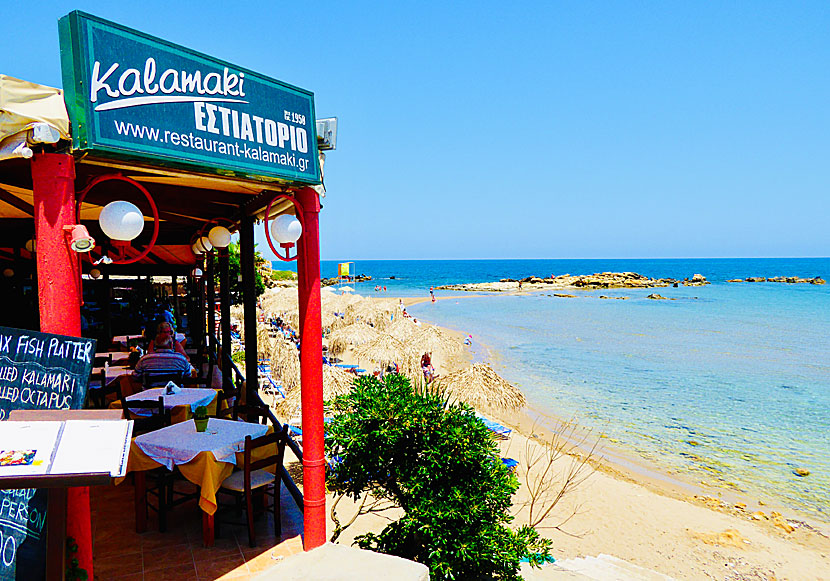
[286, 229]
[121, 221]
[196, 272]
[219, 237]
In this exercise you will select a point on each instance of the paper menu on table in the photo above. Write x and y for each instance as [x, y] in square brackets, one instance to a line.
[41, 437]
[93, 446]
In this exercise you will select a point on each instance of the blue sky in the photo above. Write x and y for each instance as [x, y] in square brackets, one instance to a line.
[530, 130]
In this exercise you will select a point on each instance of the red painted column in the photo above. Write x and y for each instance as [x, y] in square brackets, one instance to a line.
[311, 371]
[59, 297]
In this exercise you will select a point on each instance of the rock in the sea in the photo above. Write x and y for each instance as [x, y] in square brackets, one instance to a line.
[656, 297]
[756, 279]
[801, 472]
[735, 280]
[817, 280]
[565, 296]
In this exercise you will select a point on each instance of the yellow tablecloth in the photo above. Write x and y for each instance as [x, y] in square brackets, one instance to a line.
[180, 413]
[204, 470]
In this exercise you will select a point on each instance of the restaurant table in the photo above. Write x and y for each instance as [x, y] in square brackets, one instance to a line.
[112, 371]
[124, 340]
[182, 404]
[205, 459]
[115, 357]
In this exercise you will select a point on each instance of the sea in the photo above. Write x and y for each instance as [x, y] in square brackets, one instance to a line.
[727, 385]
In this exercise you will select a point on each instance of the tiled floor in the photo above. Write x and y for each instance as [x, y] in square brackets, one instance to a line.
[121, 553]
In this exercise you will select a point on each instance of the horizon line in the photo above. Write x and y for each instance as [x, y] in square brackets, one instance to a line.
[586, 258]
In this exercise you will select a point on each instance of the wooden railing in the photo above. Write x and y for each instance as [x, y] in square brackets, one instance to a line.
[238, 381]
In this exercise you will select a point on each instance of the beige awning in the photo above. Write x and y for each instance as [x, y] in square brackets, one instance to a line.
[22, 105]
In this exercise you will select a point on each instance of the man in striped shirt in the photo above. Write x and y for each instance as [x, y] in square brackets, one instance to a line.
[163, 360]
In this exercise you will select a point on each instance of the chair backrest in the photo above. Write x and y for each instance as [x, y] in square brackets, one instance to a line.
[229, 396]
[158, 418]
[278, 439]
[100, 360]
[159, 379]
[253, 414]
[100, 395]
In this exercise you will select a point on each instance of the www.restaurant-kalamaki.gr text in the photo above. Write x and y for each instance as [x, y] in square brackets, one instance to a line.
[223, 121]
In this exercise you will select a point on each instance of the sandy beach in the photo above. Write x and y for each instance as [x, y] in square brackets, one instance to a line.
[650, 518]
[624, 507]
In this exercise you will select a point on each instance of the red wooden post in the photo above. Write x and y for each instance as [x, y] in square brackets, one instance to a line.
[311, 371]
[59, 296]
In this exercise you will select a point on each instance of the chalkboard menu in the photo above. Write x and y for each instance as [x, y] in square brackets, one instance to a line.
[37, 371]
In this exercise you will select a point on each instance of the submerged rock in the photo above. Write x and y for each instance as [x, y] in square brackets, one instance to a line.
[801, 472]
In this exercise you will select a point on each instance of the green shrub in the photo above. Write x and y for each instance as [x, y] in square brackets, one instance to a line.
[283, 275]
[440, 465]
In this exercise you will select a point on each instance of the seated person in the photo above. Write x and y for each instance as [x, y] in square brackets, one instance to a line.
[163, 360]
[165, 331]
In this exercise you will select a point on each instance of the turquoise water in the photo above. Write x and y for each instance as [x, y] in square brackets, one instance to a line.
[728, 384]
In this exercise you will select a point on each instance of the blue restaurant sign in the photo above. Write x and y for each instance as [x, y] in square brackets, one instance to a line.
[134, 97]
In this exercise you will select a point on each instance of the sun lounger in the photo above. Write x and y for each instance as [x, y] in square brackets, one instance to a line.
[503, 432]
[510, 463]
[265, 371]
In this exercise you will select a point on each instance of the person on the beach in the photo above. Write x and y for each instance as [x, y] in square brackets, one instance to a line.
[520, 285]
[426, 367]
[432, 293]
[468, 340]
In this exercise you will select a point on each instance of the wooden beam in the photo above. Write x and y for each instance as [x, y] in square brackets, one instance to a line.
[16, 202]
[246, 259]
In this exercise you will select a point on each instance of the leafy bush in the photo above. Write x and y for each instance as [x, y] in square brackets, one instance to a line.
[283, 275]
[440, 465]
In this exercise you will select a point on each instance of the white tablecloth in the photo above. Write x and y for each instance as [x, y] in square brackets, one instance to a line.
[180, 443]
[192, 396]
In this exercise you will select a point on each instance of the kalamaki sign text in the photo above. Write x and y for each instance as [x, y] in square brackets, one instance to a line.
[130, 95]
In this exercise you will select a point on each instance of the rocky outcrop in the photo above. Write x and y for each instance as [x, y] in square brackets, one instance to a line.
[600, 280]
[787, 279]
[335, 280]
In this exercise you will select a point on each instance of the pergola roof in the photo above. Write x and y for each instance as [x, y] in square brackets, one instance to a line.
[185, 202]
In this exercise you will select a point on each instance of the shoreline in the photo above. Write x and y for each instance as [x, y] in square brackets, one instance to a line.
[628, 507]
[626, 464]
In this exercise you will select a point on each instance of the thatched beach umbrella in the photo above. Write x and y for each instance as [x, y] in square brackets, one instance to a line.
[364, 311]
[355, 334]
[383, 350]
[401, 328]
[264, 342]
[279, 300]
[480, 386]
[336, 382]
[433, 340]
[285, 364]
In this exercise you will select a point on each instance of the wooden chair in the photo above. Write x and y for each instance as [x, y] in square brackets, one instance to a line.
[151, 380]
[157, 418]
[99, 396]
[253, 414]
[226, 399]
[160, 480]
[254, 477]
